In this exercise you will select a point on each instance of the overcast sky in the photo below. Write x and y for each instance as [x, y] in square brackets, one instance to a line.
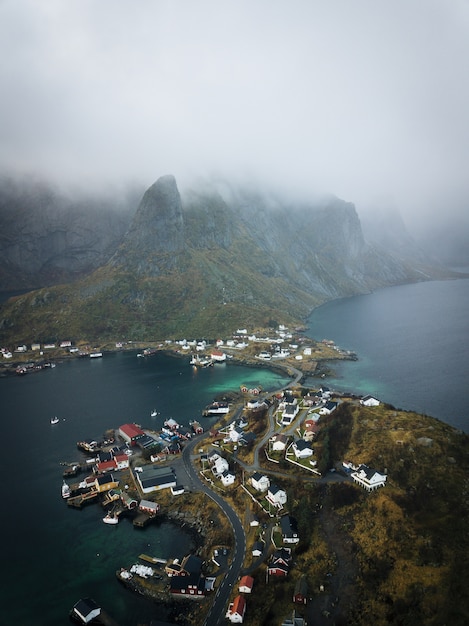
[363, 98]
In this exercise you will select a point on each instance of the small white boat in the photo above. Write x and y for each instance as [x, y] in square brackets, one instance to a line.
[54, 420]
[110, 519]
[65, 490]
[154, 413]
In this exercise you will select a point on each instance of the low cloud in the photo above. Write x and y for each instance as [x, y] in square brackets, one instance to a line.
[361, 99]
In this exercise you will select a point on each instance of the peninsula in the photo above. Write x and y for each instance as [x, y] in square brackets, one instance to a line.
[334, 509]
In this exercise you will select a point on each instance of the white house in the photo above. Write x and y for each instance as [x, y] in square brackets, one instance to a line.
[246, 584]
[227, 478]
[86, 610]
[328, 408]
[302, 449]
[369, 401]
[368, 478]
[260, 482]
[220, 466]
[276, 496]
[289, 413]
[236, 610]
[279, 442]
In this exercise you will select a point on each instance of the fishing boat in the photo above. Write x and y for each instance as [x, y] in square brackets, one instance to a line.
[54, 420]
[217, 408]
[65, 490]
[110, 519]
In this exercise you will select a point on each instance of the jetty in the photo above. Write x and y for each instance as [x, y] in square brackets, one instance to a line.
[152, 559]
[83, 498]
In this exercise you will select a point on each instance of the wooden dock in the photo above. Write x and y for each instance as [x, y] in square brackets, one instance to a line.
[142, 519]
[82, 498]
[152, 559]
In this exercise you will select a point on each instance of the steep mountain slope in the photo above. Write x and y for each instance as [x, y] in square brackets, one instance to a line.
[206, 263]
[47, 237]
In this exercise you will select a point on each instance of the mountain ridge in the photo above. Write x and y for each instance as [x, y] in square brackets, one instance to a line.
[207, 262]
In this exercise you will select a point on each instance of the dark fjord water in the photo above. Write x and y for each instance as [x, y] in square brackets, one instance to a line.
[413, 346]
[53, 555]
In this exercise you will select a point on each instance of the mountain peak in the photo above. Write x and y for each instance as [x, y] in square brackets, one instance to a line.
[156, 235]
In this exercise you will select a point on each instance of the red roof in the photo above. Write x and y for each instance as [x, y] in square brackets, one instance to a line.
[239, 605]
[246, 581]
[131, 430]
[106, 466]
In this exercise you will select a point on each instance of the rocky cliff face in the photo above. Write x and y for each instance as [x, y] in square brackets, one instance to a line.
[47, 237]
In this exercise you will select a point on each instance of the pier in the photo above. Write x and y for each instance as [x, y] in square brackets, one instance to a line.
[78, 501]
[152, 559]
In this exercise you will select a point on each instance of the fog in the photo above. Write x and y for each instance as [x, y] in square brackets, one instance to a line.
[365, 99]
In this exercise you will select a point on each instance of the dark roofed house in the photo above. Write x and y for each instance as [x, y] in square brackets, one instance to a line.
[191, 585]
[86, 610]
[289, 529]
[300, 594]
[156, 478]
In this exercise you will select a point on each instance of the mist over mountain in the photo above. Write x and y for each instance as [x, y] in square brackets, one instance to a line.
[202, 262]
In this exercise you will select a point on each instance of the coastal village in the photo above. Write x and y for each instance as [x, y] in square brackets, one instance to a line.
[299, 505]
[253, 447]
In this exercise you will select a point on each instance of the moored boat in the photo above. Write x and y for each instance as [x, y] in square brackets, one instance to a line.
[54, 420]
[110, 519]
[217, 408]
[65, 490]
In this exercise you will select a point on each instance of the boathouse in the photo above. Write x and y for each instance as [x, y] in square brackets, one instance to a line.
[130, 433]
[86, 610]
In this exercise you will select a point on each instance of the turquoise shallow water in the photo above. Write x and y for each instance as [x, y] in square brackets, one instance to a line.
[53, 555]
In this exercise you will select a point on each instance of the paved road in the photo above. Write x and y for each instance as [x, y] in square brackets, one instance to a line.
[217, 612]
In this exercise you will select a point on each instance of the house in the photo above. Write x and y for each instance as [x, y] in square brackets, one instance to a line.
[369, 401]
[246, 584]
[130, 433]
[147, 506]
[260, 482]
[196, 427]
[289, 413]
[368, 478]
[328, 408]
[122, 461]
[177, 490]
[129, 502]
[86, 610]
[276, 496]
[258, 548]
[279, 442]
[227, 478]
[246, 438]
[289, 529]
[105, 467]
[236, 610]
[300, 594]
[105, 483]
[191, 585]
[220, 466]
[155, 478]
[235, 434]
[302, 449]
[280, 561]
